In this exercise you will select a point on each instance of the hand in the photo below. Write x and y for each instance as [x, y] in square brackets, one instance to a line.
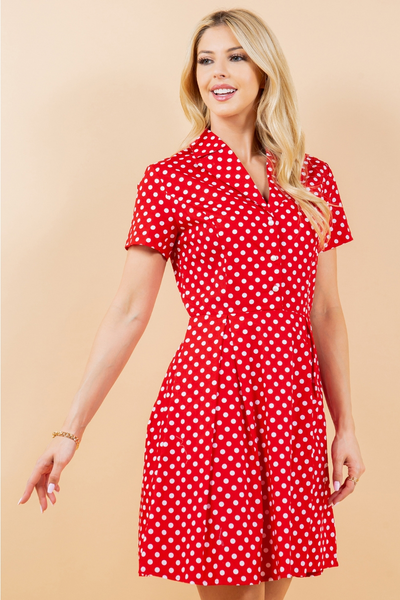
[48, 471]
[345, 451]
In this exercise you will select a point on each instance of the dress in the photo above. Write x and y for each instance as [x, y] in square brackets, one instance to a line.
[235, 479]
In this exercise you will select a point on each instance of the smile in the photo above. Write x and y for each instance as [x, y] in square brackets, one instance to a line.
[223, 93]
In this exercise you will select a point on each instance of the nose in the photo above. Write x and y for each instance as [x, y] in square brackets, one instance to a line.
[220, 69]
[219, 77]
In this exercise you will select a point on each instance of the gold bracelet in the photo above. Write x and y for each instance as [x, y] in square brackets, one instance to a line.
[68, 435]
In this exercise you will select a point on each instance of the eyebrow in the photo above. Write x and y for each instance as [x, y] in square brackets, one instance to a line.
[229, 50]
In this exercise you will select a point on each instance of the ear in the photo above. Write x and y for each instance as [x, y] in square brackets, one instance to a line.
[264, 82]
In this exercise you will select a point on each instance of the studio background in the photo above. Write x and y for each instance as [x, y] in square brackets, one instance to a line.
[90, 97]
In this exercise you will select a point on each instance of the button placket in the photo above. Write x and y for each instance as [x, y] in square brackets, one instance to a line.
[275, 285]
[273, 205]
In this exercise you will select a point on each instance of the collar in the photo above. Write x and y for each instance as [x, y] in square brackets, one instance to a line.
[209, 142]
[214, 157]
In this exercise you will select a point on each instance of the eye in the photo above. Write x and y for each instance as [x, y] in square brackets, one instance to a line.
[241, 56]
[202, 61]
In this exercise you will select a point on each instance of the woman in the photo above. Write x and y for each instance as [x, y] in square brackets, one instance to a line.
[235, 495]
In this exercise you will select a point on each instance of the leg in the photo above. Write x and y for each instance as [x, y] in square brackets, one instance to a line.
[276, 590]
[231, 592]
[268, 590]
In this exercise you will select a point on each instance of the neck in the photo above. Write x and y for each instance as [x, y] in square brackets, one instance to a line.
[240, 137]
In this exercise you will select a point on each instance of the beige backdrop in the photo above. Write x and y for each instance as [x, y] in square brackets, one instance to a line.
[90, 98]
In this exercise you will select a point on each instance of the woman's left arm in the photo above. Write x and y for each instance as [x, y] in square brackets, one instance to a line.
[331, 341]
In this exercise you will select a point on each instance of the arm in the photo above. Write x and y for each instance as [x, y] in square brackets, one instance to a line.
[330, 335]
[116, 338]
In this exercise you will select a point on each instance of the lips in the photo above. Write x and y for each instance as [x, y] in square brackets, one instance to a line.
[223, 86]
[224, 95]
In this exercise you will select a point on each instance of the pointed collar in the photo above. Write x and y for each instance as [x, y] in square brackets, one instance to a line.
[208, 142]
[208, 149]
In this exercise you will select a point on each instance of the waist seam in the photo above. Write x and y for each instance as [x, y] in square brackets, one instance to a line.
[247, 313]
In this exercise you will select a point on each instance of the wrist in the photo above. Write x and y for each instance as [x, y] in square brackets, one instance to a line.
[77, 430]
[66, 434]
[344, 426]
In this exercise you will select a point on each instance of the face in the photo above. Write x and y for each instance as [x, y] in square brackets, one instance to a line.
[223, 65]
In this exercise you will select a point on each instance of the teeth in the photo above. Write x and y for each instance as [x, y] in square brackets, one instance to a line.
[223, 91]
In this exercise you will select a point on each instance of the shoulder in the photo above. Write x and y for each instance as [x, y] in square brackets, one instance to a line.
[162, 181]
[315, 168]
[169, 167]
[318, 177]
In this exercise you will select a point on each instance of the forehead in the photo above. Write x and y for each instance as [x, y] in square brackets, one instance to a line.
[216, 38]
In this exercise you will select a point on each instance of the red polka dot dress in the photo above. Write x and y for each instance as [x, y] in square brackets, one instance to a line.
[235, 480]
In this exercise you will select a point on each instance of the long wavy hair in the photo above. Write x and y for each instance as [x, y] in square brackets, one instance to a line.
[277, 125]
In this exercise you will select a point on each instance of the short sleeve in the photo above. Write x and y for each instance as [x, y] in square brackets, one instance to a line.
[153, 223]
[339, 227]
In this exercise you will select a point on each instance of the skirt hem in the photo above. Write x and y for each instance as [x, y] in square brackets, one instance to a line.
[261, 580]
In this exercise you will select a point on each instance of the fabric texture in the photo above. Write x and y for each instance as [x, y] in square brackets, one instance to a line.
[236, 477]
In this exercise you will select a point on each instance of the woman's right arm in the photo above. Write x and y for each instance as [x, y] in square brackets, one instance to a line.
[116, 338]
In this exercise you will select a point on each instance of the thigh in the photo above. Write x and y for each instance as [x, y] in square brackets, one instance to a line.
[231, 592]
[268, 590]
[276, 590]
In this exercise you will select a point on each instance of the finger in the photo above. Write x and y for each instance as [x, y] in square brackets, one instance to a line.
[340, 493]
[41, 492]
[354, 470]
[332, 498]
[32, 482]
[346, 489]
[52, 481]
[337, 474]
[56, 489]
[52, 497]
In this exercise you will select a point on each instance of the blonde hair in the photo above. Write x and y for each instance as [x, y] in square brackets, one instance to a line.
[277, 126]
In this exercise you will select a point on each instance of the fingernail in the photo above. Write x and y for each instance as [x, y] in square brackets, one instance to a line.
[41, 509]
[50, 488]
[336, 503]
[51, 501]
[336, 485]
[19, 500]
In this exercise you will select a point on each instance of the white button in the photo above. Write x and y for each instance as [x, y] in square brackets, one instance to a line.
[271, 222]
[274, 257]
[276, 287]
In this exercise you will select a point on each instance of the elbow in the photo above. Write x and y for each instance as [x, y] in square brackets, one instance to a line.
[132, 313]
[323, 316]
[137, 315]
[322, 311]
